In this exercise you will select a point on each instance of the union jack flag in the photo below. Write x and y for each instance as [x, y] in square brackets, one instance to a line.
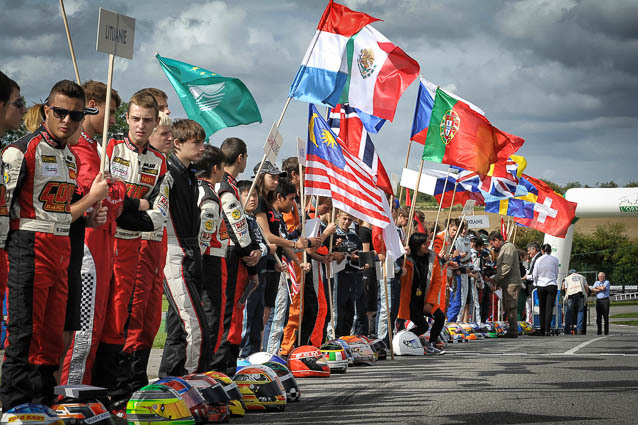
[504, 179]
[333, 171]
[345, 121]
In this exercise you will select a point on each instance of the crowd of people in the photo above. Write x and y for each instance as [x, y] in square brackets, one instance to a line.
[87, 254]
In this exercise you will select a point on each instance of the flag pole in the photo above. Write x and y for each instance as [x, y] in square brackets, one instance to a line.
[107, 110]
[413, 206]
[263, 159]
[438, 212]
[407, 159]
[332, 315]
[387, 304]
[68, 37]
[305, 254]
[449, 214]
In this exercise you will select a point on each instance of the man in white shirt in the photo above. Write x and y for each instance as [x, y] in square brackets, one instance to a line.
[545, 274]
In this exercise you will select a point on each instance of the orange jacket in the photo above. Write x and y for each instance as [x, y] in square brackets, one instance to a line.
[432, 288]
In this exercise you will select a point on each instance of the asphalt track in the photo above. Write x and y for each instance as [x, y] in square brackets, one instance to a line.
[561, 379]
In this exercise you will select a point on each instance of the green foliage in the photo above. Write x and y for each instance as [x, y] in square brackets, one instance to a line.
[13, 135]
[120, 126]
[607, 249]
[609, 184]
[526, 235]
[632, 184]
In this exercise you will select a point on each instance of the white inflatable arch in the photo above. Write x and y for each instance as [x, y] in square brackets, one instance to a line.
[593, 202]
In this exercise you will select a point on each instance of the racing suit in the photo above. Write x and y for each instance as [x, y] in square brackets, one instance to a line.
[187, 347]
[96, 268]
[143, 171]
[146, 307]
[213, 241]
[237, 274]
[40, 176]
[4, 230]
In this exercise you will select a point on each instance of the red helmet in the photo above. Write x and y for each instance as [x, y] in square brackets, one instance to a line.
[306, 361]
[213, 393]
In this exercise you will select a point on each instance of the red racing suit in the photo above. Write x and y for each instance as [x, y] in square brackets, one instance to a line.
[4, 230]
[143, 171]
[40, 177]
[97, 267]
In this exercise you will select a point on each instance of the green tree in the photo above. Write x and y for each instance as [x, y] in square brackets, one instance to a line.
[609, 184]
[13, 135]
[632, 184]
[120, 126]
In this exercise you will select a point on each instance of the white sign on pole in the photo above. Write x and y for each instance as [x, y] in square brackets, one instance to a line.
[301, 151]
[395, 181]
[468, 208]
[115, 34]
[273, 144]
[478, 221]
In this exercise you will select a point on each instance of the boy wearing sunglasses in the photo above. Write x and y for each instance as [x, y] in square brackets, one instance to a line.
[40, 175]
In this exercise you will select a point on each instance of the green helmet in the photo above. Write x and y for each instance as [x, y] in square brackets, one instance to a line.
[157, 403]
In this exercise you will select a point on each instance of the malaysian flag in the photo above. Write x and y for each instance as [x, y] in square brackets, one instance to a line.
[346, 122]
[333, 171]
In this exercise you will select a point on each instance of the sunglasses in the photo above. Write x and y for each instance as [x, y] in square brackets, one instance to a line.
[20, 103]
[61, 113]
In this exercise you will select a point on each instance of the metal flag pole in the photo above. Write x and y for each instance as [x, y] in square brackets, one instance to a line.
[68, 37]
[263, 158]
[407, 159]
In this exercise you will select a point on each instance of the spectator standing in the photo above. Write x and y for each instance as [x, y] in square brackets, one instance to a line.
[508, 278]
[545, 274]
[576, 290]
[601, 289]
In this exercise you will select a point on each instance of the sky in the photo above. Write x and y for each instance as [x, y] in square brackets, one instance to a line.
[561, 74]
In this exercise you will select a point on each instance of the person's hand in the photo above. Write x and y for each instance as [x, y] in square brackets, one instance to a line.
[326, 259]
[427, 309]
[330, 229]
[381, 257]
[301, 243]
[404, 271]
[407, 250]
[305, 267]
[272, 248]
[281, 267]
[99, 188]
[97, 217]
[366, 266]
[338, 257]
[252, 259]
[144, 205]
[315, 242]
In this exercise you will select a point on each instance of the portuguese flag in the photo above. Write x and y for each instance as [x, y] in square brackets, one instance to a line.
[460, 135]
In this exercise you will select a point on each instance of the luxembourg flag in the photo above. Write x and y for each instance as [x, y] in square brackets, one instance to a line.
[324, 70]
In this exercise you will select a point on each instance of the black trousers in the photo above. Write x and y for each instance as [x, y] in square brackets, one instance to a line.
[214, 281]
[546, 299]
[347, 289]
[602, 313]
[437, 327]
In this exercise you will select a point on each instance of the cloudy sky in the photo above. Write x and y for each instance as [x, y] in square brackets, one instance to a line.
[562, 74]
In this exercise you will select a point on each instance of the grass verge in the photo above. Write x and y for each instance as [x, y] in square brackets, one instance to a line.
[624, 316]
[628, 322]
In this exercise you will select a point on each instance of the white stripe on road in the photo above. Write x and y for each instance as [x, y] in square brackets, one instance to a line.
[584, 344]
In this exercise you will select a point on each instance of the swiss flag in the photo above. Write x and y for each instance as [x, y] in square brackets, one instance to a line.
[552, 213]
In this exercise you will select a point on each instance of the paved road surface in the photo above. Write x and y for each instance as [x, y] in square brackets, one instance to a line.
[566, 379]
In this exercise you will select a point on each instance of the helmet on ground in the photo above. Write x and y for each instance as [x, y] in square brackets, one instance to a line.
[489, 329]
[263, 357]
[287, 379]
[525, 327]
[216, 399]
[381, 348]
[193, 398]
[158, 403]
[236, 404]
[347, 349]
[73, 412]
[335, 356]
[261, 388]
[406, 343]
[307, 361]
[478, 330]
[31, 414]
[361, 351]
[469, 331]
[369, 342]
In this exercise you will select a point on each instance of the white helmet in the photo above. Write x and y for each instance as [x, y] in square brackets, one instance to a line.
[405, 343]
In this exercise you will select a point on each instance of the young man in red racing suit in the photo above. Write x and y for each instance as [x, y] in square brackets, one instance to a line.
[142, 168]
[241, 257]
[40, 173]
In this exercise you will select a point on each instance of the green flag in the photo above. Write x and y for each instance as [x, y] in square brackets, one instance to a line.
[212, 100]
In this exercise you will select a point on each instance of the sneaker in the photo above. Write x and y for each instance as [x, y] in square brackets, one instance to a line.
[431, 349]
[440, 345]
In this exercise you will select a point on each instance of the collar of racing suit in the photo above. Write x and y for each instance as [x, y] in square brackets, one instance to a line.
[134, 147]
[49, 138]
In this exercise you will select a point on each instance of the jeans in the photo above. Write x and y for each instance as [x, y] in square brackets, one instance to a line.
[575, 310]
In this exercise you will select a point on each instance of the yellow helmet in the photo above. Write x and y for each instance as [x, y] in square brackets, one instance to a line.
[236, 403]
[157, 403]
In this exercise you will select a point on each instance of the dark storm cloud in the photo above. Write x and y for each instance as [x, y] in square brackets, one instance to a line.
[561, 74]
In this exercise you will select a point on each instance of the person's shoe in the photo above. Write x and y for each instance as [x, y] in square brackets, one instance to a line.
[431, 349]
[510, 335]
[440, 345]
